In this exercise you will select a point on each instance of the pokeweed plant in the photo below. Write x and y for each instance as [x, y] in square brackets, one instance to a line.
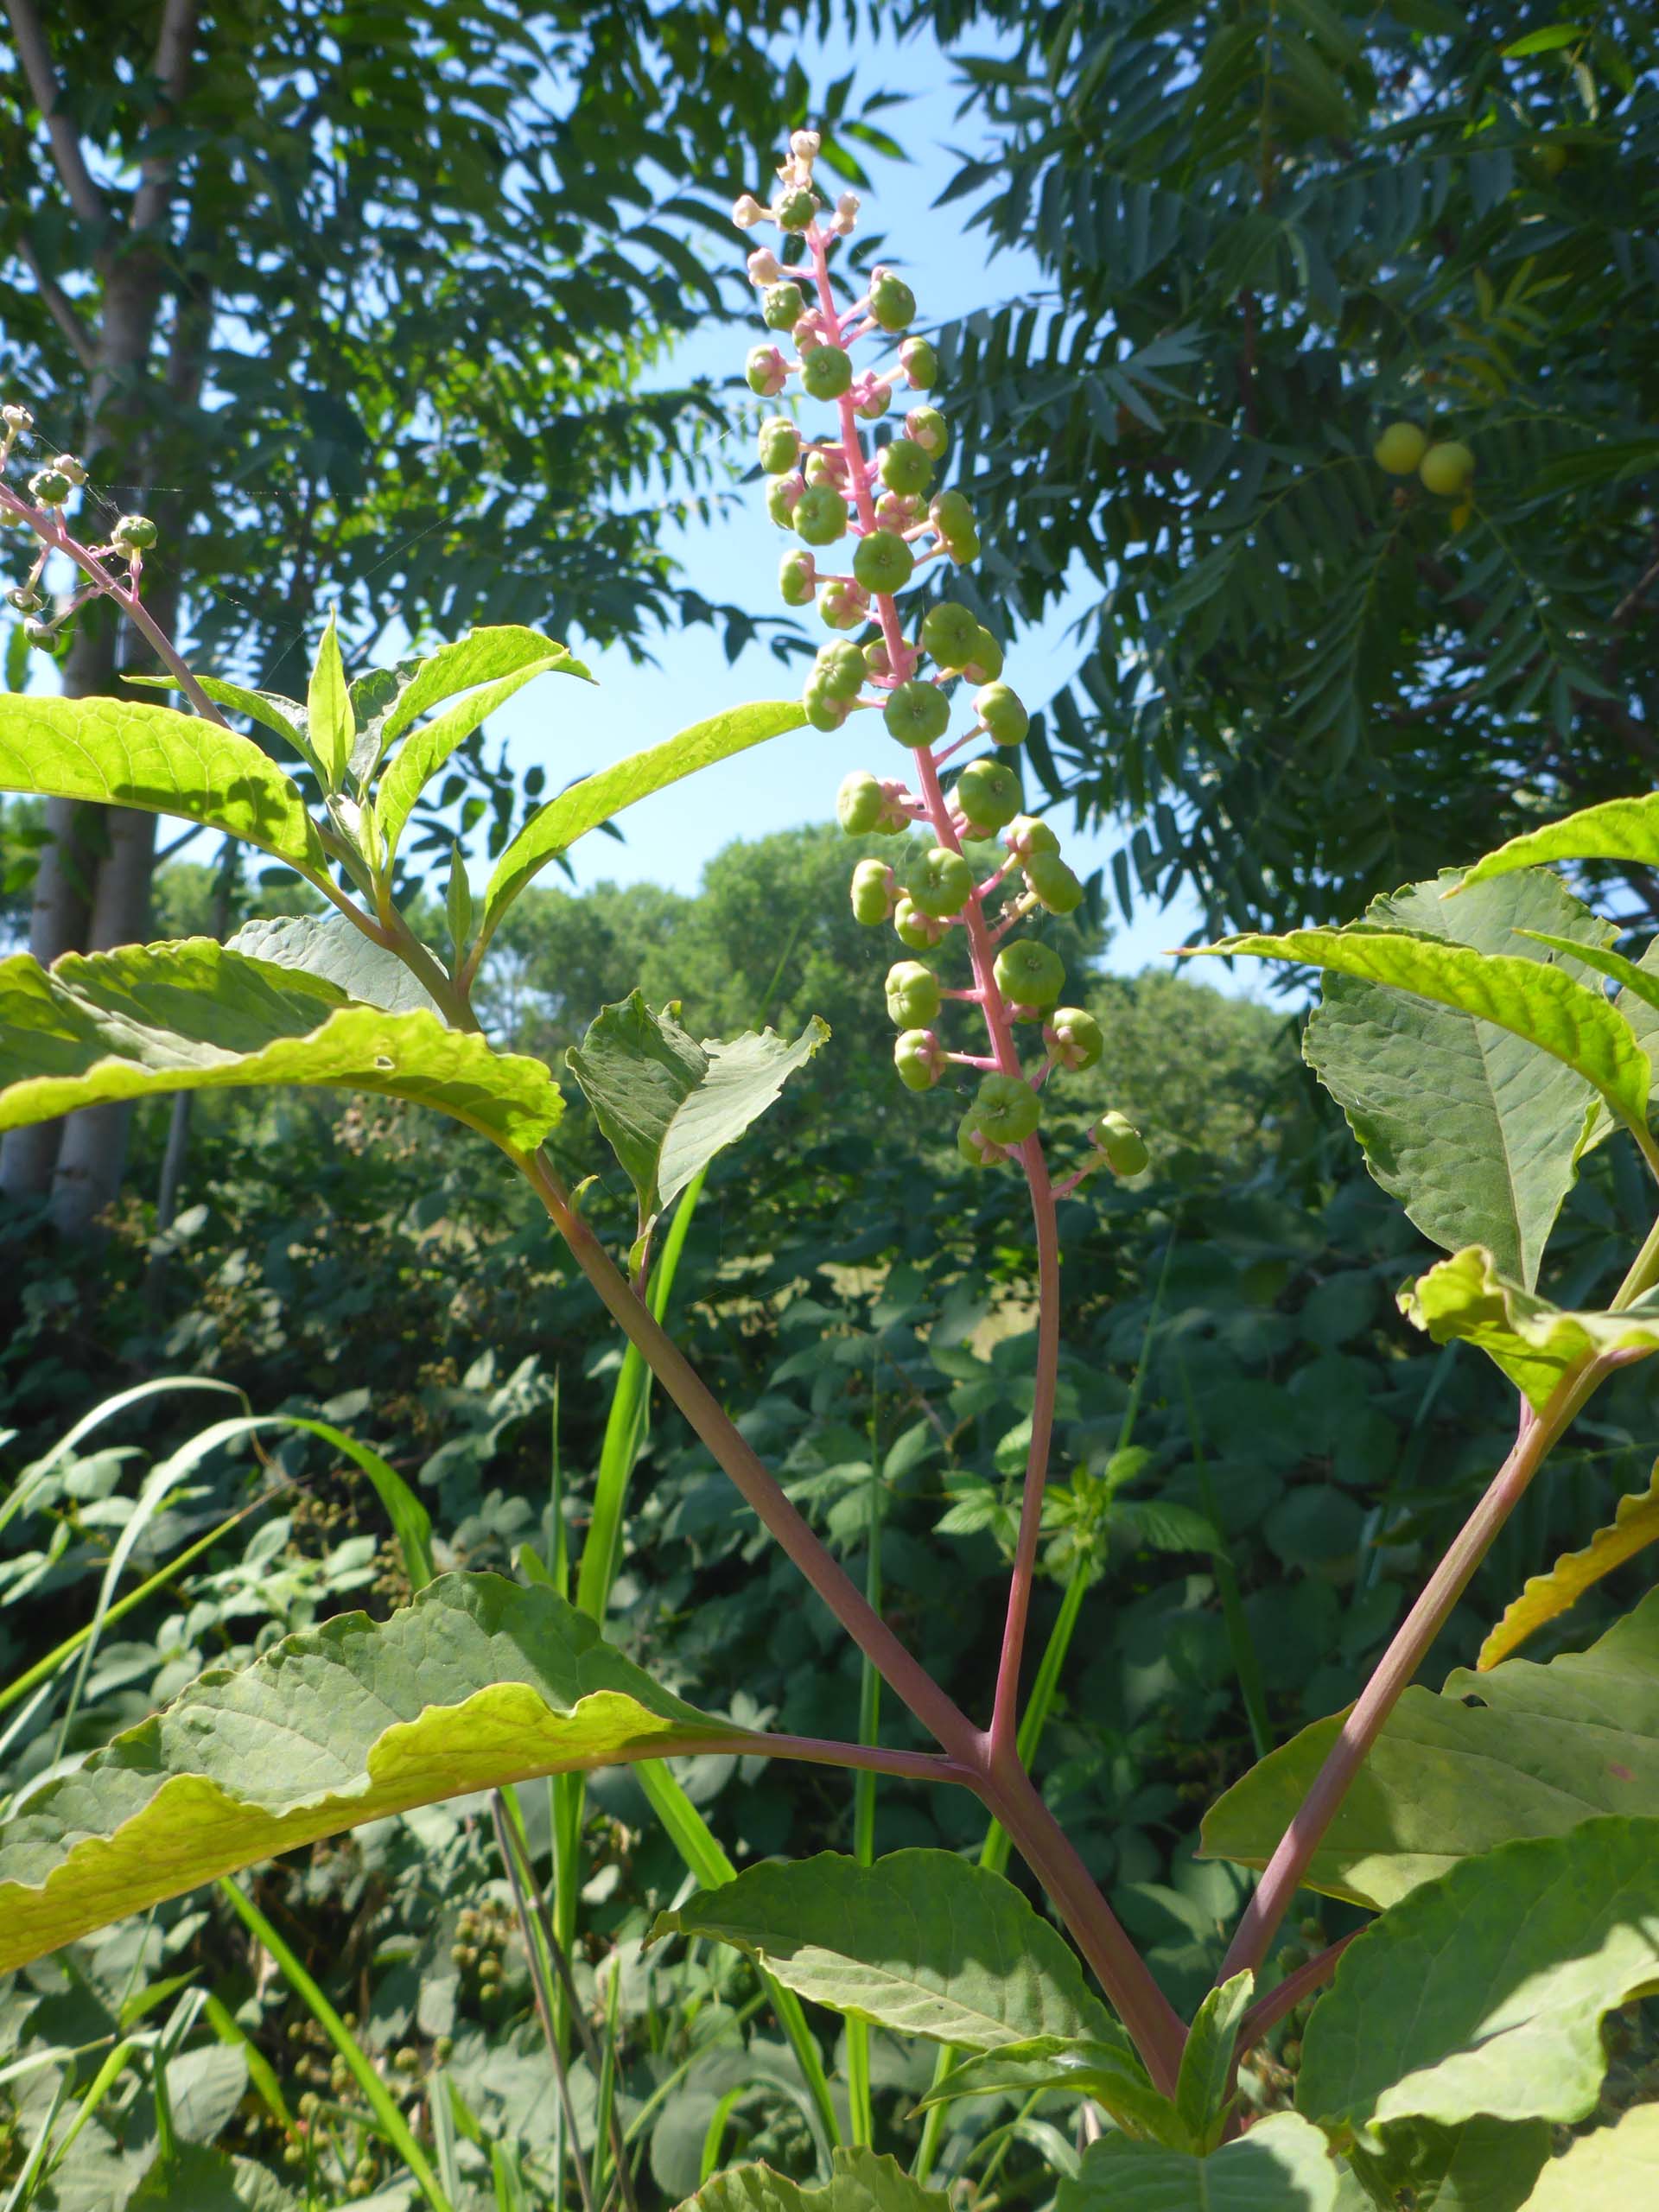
[1503, 1833]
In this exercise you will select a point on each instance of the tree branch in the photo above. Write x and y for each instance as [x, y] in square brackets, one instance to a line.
[34, 54]
[172, 61]
[60, 308]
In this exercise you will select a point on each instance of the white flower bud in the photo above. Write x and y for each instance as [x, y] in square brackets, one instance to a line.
[803, 144]
[17, 418]
[847, 205]
[67, 465]
[748, 211]
[765, 268]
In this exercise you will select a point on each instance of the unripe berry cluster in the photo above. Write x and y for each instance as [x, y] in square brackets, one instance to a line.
[50, 489]
[883, 494]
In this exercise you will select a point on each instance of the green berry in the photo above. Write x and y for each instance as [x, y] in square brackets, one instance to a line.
[949, 634]
[920, 364]
[913, 927]
[883, 562]
[1122, 1144]
[824, 709]
[964, 549]
[844, 606]
[49, 487]
[1001, 712]
[930, 430]
[912, 994]
[1026, 834]
[1075, 1038]
[916, 714]
[797, 578]
[951, 516]
[892, 301]
[840, 668]
[795, 209]
[872, 892]
[1056, 886]
[987, 664]
[977, 1149]
[444, 2049]
[783, 497]
[826, 372]
[917, 1056]
[133, 533]
[875, 658]
[1446, 468]
[1006, 1109]
[821, 515]
[765, 372]
[940, 883]
[906, 467]
[1028, 974]
[782, 305]
[989, 794]
[876, 403]
[780, 445]
[1400, 448]
[22, 600]
[861, 803]
[406, 2061]
[822, 469]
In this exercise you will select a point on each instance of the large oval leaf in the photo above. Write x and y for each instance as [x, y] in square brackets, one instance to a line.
[596, 798]
[1281, 2165]
[193, 1015]
[477, 1682]
[860, 2181]
[1476, 1132]
[921, 1943]
[1484, 1992]
[1519, 1751]
[122, 753]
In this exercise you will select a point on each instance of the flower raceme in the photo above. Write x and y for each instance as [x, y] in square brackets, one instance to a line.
[905, 529]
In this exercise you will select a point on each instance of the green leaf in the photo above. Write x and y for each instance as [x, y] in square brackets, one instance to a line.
[1479, 2165]
[1535, 1344]
[331, 946]
[1110, 2074]
[1613, 2170]
[1617, 830]
[1281, 2165]
[668, 1105]
[481, 657]
[1635, 1525]
[921, 1943]
[285, 718]
[1477, 1134]
[192, 1016]
[426, 749]
[1544, 41]
[859, 2182]
[1521, 1750]
[1527, 997]
[330, 724]
[1485, 1992]
[121, 752]
[558, 825]
[1204, 2096]
[477, 1682]
[198, 2179]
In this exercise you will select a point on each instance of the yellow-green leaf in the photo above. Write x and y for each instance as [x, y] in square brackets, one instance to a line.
[1618, 830]
[1535, 1343]
[125, 752]
[1635, 1525]
[477, 1682]
[330, 724]
[1613, 2170]
[426, 749]
[194, 1015]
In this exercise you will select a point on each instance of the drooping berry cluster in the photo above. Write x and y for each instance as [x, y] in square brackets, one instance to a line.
[50, 490]
[886, 500]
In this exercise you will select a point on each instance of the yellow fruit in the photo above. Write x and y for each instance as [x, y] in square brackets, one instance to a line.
[1447, 467]
[1400, 448]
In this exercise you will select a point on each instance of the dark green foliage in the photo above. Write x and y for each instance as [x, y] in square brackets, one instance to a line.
[1270, 235]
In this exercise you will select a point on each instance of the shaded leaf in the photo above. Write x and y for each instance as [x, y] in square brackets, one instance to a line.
[1479, 2165]
[1281, 2165]
[596, 798]
[1483, 1992]
[198, 2179]
[123, 753]
[1635, 1525]
[921, 1943]
[1611, 2170]
[1521, 1750]
[1110, 2074]
[192, 1016]
[1535, 1343]
[1476, 1132]
[859, 2182]
[668, 1105]
[330, 946]
[477, 1682]
[1202, 2096]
